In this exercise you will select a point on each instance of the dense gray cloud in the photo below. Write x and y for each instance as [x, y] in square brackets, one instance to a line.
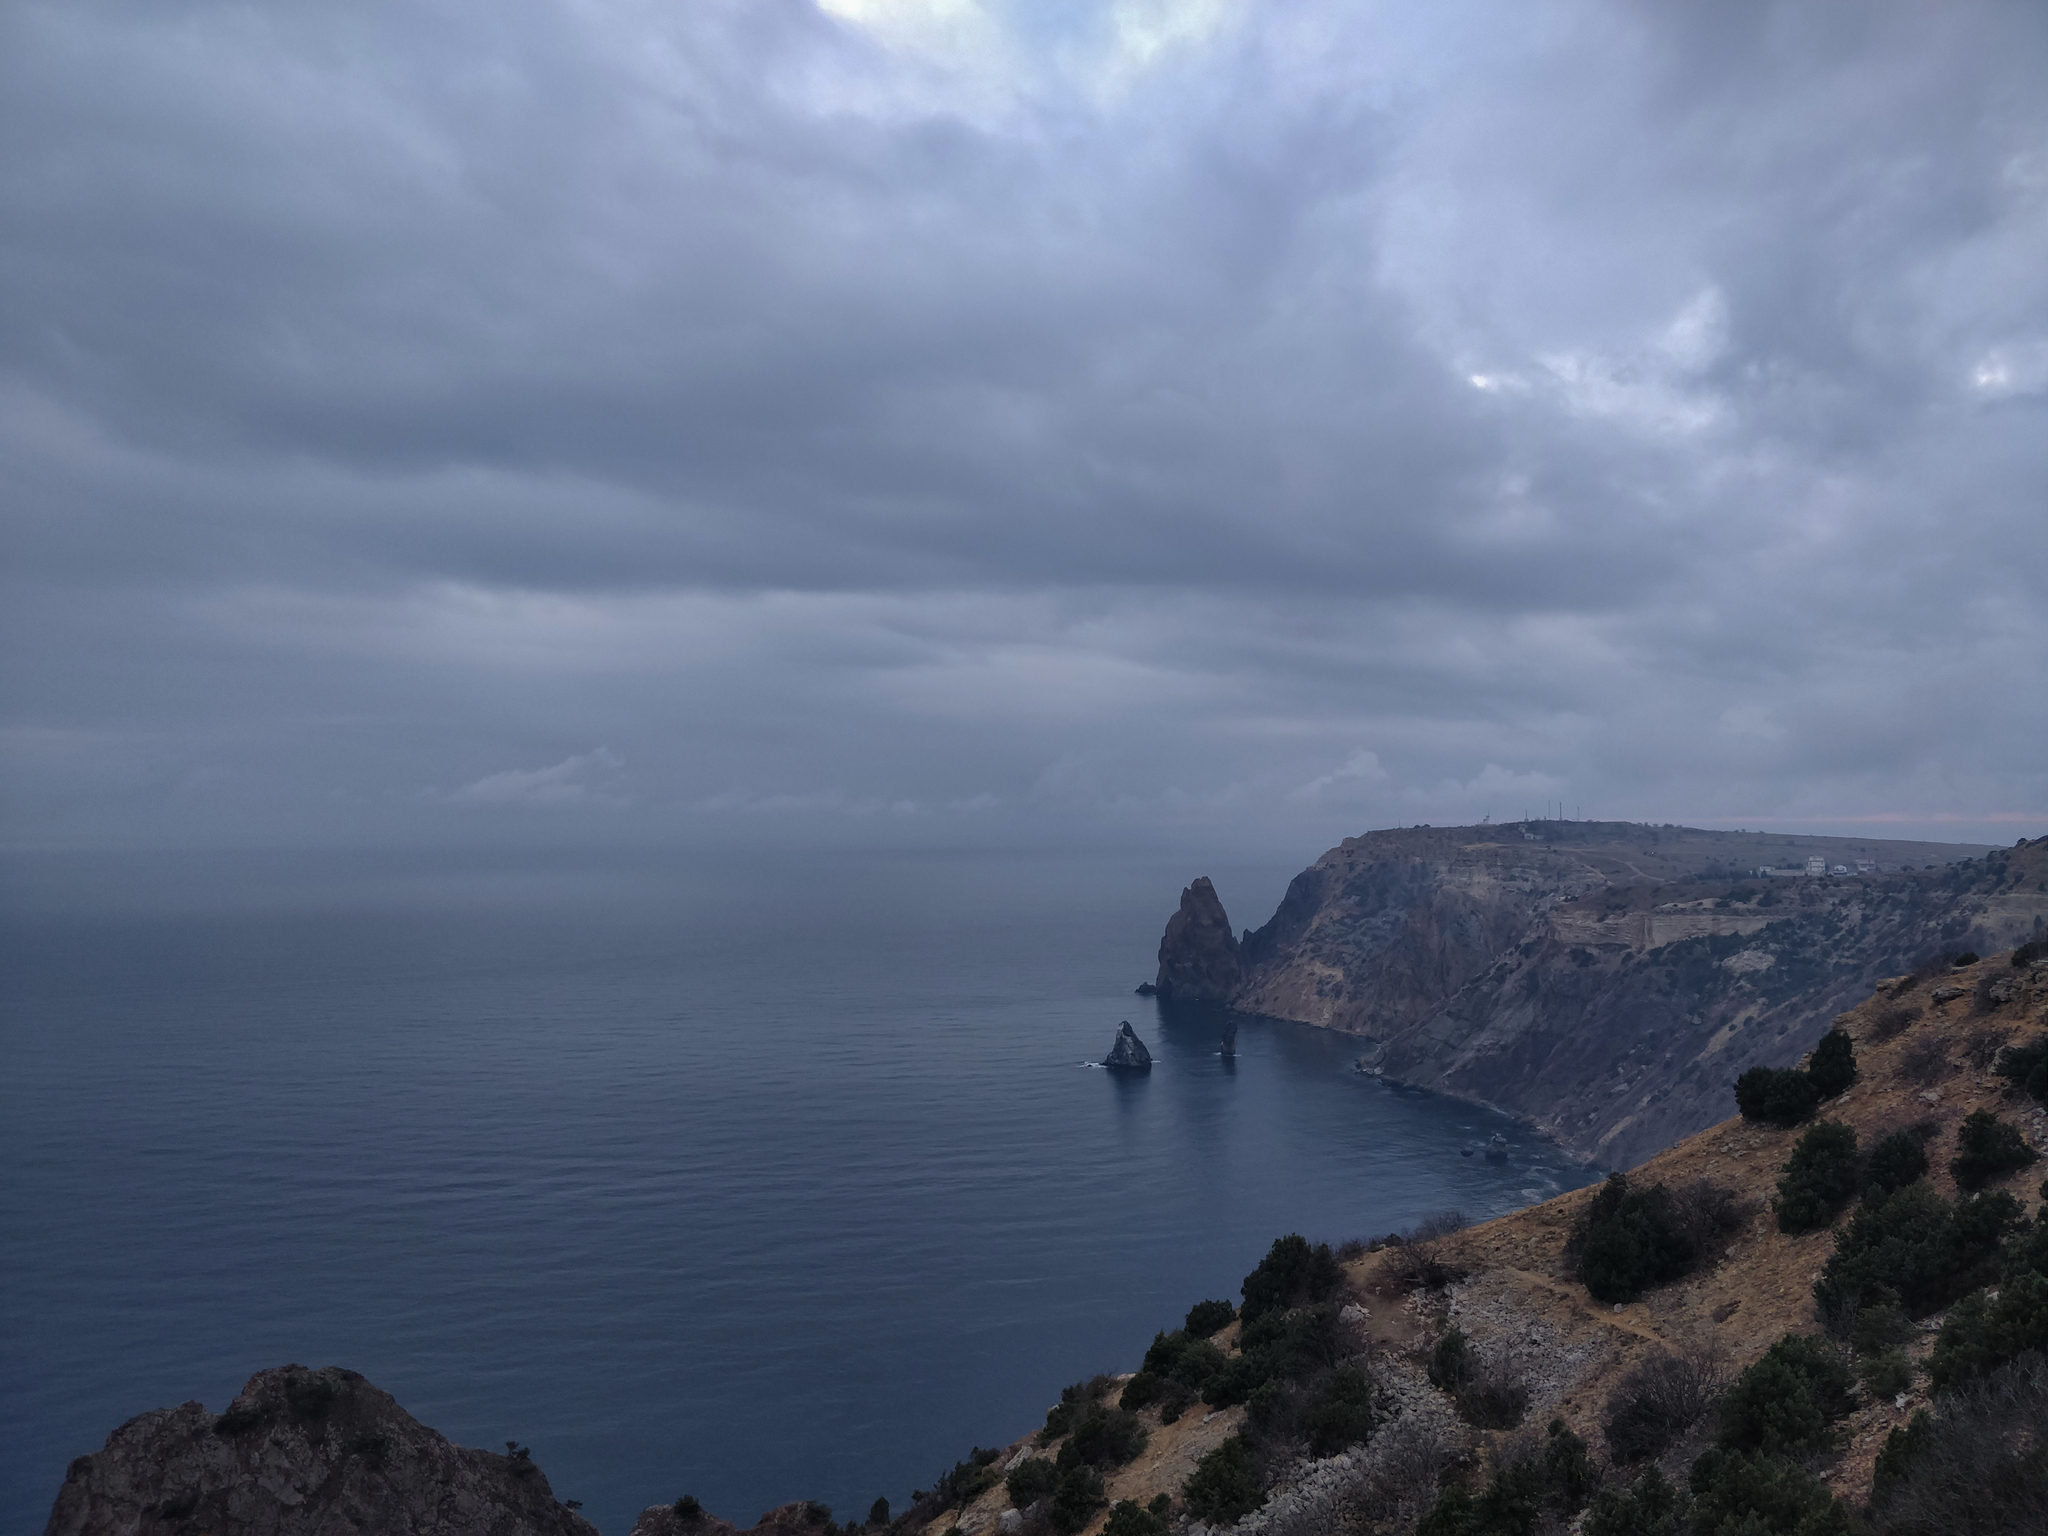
[947, 419]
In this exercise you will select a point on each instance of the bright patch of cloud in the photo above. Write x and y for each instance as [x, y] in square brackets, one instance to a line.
[2019, 368]
[837, 803]
[1360, 771]
[1698, 334]
[1101, 50]
[1613, 389]
[946, 30]
[579, 780]
[1494, 787]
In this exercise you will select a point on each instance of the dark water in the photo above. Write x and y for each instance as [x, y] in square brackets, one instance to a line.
[761, 1181]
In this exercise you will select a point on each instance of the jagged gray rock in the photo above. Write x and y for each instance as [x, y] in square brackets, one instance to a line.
[1127, 1050]
[303, 1453]
[1198, 954]
[1230, 1038]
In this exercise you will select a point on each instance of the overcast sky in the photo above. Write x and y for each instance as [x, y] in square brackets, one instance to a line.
[951, 420]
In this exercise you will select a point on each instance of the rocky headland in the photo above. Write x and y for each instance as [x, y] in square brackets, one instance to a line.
[1604, 981]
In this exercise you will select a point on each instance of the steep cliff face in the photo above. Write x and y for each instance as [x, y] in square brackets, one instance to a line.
[1380, 930]
[1620, 1046]
[1198, 956]
[1605, 980]
[302, 1452]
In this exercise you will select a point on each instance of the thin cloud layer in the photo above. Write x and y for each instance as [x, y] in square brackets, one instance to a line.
[1238, 423]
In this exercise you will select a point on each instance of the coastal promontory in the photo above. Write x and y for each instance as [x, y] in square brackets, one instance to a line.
[1604, 981]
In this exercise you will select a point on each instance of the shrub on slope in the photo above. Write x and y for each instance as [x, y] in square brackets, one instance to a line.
[1974, 1467]
[2026, 1067]
[1987, 1147]
[1916, 1246]
[1787, 1402]
[1227, 1484]
[1787, 1095]
[1819, 1177]
[1292, 1274]
[1629, 1240]
[1541, 1489]
[1776, 1095]
[1896, 1161]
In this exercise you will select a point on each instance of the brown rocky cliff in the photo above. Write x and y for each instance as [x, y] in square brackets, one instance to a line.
[302, 1452]
[1198, 958]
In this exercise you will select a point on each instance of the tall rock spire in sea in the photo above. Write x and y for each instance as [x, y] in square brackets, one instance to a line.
[1198, 954]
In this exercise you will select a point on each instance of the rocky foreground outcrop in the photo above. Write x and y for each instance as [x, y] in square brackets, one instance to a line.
[1604, 981]
[303, 1453]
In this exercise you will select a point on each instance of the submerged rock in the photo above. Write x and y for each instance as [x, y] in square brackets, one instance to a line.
[1127, 1050]
[301, 1452]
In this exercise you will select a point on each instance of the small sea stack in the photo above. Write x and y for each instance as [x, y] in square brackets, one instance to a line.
[1128, 1050]
[1497, 1149]
[1229, 1051]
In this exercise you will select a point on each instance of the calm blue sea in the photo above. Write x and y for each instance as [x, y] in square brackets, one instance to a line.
[760, 1178]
